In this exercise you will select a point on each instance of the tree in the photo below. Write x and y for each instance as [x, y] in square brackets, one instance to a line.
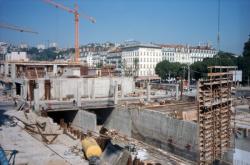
[136, 66]
[245, 61]
[199, 69]
[165, 69]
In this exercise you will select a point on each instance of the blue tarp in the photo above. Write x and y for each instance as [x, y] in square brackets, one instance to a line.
[3, 158]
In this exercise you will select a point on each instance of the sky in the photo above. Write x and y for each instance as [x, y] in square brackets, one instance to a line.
[158, 21]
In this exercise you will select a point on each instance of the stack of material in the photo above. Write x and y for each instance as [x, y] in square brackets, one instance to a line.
[187, 115]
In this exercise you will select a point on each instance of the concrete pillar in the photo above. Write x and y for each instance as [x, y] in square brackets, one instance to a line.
[60, 90]
[122, 89]
[2, 69]
[148, 91]
[13, 89]
[21, 90]
[115, 93]
[88, 89]
[25, 89]
[93, 88]
[6, 69]
[177, 91]
[55, 69]
[13, 71]
[79, 94]
[36, 99]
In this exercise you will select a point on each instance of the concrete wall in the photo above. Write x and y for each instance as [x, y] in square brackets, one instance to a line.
[156, 128]
[88, 87]
[120, 120]
[85, 121]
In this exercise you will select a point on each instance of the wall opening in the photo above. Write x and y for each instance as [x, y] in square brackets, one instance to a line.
[102, 114]
[68, 116]
[18, 89]
[47, 89]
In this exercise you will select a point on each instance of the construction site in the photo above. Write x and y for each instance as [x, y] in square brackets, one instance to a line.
[71, 117]
[69, 113]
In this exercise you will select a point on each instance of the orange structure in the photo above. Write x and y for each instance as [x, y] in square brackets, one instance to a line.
[76, 14]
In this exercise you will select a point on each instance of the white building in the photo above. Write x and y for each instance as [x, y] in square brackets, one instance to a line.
[40, 46]
[141, 59]
[198, 53]
[187, 54]
[53, 45]
[86, 58]
[16, 56]
[23, 46]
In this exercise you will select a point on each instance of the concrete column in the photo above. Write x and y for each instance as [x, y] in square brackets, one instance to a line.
[55, 69]
[13, 89]
[13, 71]
[21, 90]
[2, 69]
[60, 90]
[36, 99]
[93, 88]
[88, 88]
[148, 91]
[79, 94]
[122, 89]
[6, 69]
[177, 91]
[24, 90]
[115, 93]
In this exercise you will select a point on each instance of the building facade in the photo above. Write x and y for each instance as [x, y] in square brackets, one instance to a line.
[187, 54]
[16, 56]
[141, 59]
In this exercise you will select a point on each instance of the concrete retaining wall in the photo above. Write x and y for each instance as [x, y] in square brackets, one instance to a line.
[156, 128]
[120, 120]
[85, 121]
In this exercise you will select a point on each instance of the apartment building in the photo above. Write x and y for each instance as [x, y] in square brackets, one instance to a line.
[141, 59]
[186, 54]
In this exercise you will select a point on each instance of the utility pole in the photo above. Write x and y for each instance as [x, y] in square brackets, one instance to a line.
[188, 85]
[183, 77]
[218, 32]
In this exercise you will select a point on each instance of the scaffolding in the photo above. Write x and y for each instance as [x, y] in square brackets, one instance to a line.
[214, 113]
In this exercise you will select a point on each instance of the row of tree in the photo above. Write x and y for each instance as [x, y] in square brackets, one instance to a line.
[199, 69]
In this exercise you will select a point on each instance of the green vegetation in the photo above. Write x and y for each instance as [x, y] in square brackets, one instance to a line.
[244, 62]
[199, 69]
[49, 54]
[165, 69]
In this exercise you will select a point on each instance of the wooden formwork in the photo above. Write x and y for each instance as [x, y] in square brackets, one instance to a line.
[214, 113]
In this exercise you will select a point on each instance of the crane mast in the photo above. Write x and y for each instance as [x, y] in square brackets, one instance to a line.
[77, 15]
